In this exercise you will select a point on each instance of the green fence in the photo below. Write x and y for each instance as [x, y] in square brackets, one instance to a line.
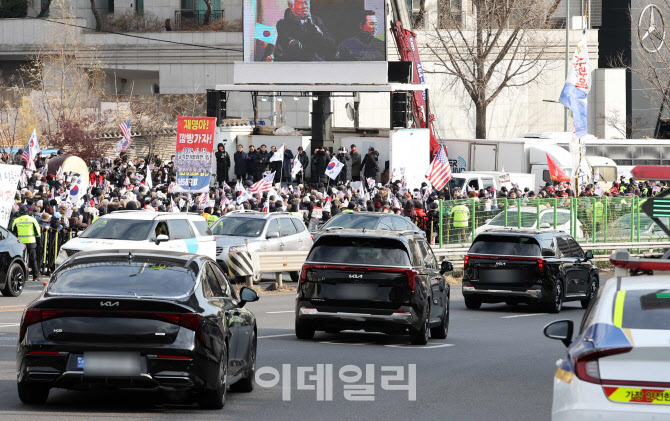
[588, 219]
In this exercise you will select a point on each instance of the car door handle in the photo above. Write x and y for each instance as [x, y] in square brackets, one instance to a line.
[281, 244]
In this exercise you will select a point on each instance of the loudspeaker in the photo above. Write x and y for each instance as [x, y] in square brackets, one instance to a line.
[401, 111]
[400, 72]
[216, 105]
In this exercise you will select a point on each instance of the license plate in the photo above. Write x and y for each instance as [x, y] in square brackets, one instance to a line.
[111, 364]
[356, 292]
[637, 395]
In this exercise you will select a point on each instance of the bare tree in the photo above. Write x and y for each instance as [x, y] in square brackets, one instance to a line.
[44, 9]
[502, 46]
[208, 13]
[96, 15]
[420, 16]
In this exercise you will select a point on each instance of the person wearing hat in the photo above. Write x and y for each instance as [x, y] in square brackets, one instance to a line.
[304, 161]
[27, 230]
[370, 166]
[345, 174]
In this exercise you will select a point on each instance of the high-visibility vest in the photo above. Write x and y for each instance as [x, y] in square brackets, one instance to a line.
[211, 219]
[27, 229]
[95, 219]
[599, 212]
[347, 211]
[461, 215]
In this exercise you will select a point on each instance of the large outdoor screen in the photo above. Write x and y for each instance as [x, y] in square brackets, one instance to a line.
[316, 30]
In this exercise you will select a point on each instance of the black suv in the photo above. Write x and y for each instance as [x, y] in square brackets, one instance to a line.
[378, 281]
[528, 266]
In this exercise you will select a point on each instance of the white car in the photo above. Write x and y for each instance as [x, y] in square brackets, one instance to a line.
[529, 220]
[144, 230]
[618, 366]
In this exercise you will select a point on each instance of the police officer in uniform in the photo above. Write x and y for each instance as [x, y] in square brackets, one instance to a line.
[27, 230]
[461, 218]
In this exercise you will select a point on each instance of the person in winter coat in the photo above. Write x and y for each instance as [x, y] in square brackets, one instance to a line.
[345, 175]
[261, 162]
[222, 164]
[240, 158]
[320, 162]
[355, 164]
[251, 161]
[304, 161]
[95, 179]
[286, 170]
[370, 166]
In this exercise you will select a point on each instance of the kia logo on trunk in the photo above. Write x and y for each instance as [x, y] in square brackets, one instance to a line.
[354, 276]
[109, 304]
[500, 263]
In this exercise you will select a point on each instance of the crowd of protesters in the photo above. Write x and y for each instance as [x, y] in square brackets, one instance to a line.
[121, 183]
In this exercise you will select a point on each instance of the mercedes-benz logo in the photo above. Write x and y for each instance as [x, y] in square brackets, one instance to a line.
[651, 29]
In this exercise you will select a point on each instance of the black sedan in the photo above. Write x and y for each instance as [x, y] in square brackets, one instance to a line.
[121, 319]
[368, 221]
[13, 268]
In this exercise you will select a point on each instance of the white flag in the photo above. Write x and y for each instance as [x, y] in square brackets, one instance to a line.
[333, 169]
[279, 155]
[296, 168]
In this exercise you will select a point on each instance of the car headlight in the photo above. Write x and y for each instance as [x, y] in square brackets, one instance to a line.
[235, 249]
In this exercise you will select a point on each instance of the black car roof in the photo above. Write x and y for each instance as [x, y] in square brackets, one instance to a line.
[523, 231]
[398, 235]
[159, 256]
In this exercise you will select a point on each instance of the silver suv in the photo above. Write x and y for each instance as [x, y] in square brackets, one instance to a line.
[258, 231]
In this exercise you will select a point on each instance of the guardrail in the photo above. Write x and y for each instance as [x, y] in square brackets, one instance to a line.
[292, 261]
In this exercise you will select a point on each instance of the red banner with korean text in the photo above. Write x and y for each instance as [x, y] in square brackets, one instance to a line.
[193, 157]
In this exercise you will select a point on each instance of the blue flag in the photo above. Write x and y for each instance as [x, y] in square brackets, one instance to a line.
[575, 99]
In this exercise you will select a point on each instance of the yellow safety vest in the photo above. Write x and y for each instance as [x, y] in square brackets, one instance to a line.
[27, 229]
[211, 219]
[461, 215]
[95, 219]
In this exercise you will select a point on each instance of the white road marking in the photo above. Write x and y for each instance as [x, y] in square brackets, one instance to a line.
[9, 324]
[278, 312]
[523, 315]
[276, 336]
[420, 346]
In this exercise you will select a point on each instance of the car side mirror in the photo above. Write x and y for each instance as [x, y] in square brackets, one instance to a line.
[588, 255]
[272, 234]
[161, 238]
[446, 267]
[561, 330]
[247, 295]
[545, 225]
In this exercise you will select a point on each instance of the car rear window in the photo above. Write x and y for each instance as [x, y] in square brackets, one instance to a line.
[119, 229]
[505, 246]
[359, 251]
[132, 279]
[642, 309]
[352, 221]
[528, 219]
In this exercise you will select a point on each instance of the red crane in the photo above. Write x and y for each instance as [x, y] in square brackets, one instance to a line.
[408, 50]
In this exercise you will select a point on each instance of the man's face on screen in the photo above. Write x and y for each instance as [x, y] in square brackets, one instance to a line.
[300, 8]
[370, 25]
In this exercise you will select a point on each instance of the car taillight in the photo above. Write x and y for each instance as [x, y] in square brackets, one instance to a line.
[30, 317]
[587, 367]
[541, 265]
[312, 235]
[303, 273]
[465, 262]
[191, 321]
[411, 280]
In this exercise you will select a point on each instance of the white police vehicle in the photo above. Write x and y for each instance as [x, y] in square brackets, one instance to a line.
[618, 366]
[144, 230]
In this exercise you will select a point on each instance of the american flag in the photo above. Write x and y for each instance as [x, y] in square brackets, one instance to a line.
[263, 185]
[439, 172]
[125, 130]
